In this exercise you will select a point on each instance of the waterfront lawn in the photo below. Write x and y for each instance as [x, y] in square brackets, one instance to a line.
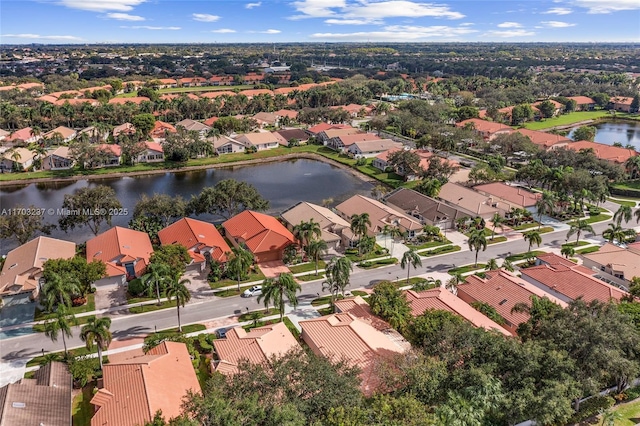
[567, 119]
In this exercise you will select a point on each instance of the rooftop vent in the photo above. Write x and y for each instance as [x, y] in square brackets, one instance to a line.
[13, 266]
[18, 405]
[98, 253]
[502, 302]
[126, 247]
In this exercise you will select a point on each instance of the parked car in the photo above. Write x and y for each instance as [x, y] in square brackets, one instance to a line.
[222, 332]
[256, 290]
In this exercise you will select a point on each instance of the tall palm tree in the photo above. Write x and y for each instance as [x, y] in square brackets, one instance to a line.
[305, 232]
[239, 262]
[177, 288]
[614, 233]
[58, 290]
[60, 323]
[507, 265]
[454, 281]
[578, 227]
[624, 213]
[338, 272]
[410, 258]
[316, 248]
[492, 265]
[533, 237]
[498, 221]
[567, 251]
[477, 241]
[546, 205]
[359, 225]
[274, 291]
[96, 331]
[157, 274]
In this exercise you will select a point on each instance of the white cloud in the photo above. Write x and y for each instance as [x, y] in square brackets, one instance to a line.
[371, 9]
[607, 6]
[557, 24]
[558, 11]
[510, 25]
[204, 17]
[252, 5]
[400, 33]
[42, 37]
[223, 31]
[270, 31]
[149, 27]
[102, 5]
[511, 33]
[352, 22]
[124, 17]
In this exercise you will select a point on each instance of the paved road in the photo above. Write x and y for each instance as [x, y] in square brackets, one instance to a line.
[203, 309]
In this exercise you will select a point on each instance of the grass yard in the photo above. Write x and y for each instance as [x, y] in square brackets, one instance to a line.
[310, 277]
[429, 244]
[307, 267]
[152, 307]
[593, 219]
[292, 328]
[262, 313]
[523, 256]
[630, 413]
[526, 226]
[229, 293]
[496, 240]
[323, 300]
[378, 263]
[325, 311]
[439, 250]
[588, 250]
[81, 408]
[623, 202]
[574, 245]
[545, 229]
[567, 119]
[467, 268]
[87, 307]
[256, 275]
[41, 360]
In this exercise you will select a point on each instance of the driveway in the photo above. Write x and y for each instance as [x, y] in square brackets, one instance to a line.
[273, 269]
[198, 286]
[109, 296]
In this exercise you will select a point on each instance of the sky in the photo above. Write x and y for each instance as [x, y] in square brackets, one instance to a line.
[272, 21]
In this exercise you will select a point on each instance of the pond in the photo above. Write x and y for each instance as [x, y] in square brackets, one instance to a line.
[282, 183]
[625, 132]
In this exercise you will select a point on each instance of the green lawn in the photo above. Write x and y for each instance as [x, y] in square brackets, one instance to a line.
[573, 244]
[152, 307]
[467, 268]
[545, 229]
[567, 119]
[525, 226]
[593, 219]
[496, 240]
[523, 256]
[256, 275]
[588, 250]
[81, 408]
[439, 250]
[292, 328]
[40, 360]
[87, 307]
[378, 263]
[429, 244]
[623, 201]
[306, 267]
[325, 311]
[310, 277]
[630, 413]
[262, 313]
[229, 293]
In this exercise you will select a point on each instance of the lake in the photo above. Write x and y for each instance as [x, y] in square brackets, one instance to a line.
[625, 132]
[282, 183]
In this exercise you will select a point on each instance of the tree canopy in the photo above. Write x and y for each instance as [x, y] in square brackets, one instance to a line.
[227, 198]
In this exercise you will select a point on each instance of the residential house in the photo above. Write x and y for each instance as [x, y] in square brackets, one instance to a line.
[286, 135]
[75, 102]
[126, 253]
[133, 100]
[261, 141]
[503, 291]
[216, 94]
[344, 336]
[371, 148]
[154, 153]
[569, 283]
[123, 129]
[16, 159]
[470, 200]
[251, 93]
[226, 145]
[360, 309]
[58, 159]
[342, 143]
[331, 225]
[263, 235]
[166, 83]
[325, 135]
[319, 128]
[160, 130]
[43, 400]
[66, 134]
[622, 104]
[426, 209]
[489, 130]
[558, 106]
[266, 119]
[257, 346]
[114, 155]
[614, 263]
[380, 216]
[510, 196]
[288, 113]
[583, 103]
[192, 81]
[22, 268]
[192, 125]
[135, 389]
[355, 110]
[543, 140]
[25, 135]
[440, 299]
[201, 239]
[4, 134]
[221, 80]
[211, 121]
[252, 78]
[382, 162]
[613, 154]
[94, 134]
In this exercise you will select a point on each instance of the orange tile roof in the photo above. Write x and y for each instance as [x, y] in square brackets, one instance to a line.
[287, 113]
[359, 308]
[210, 121]
[543, 139]
[154, 146]
[160, 129]
[256, 346]
[318, 128]
[217, 94]
[136, 100]
[622, 100]
[21, 134]
[485, 126]
[582, 100]
[350, 139]
[260, 232]
[112, 148]
[443, 300]
[564, 281]
[255, 92]
[167, 81]
[135, 389]
[112, 245]
[197, 236]
[512, 194]
[605, 152]
[553, 259]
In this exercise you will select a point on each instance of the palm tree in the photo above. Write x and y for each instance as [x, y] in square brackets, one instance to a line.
[178, 288]
[578, 227]
[58, 290]
[507, 265]
[452, 284]
[154, 278]
[533, 237]
[96, 331]
[60, 323]
[316, 248]
[359, 225]
[610, 417]
[614, 233]
[623, 213]
[498, 222]
[410, 258]
[239, 262]
[492, 265]
[338, 272]
[567, 251]
[306, 231]
[274, 290]
[632, 165]
[477, 241]
[546, 205]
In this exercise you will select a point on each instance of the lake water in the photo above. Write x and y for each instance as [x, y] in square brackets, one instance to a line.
[623, 132]
[282, 183]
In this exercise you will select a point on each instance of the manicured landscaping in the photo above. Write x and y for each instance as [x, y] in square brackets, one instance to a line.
[439, 250]
[306, 267]
[378, 263]
[523, 256]
[593, 219]
[81, 408]
[427, 245]
[359, 293]
[322, 300]
[573, 244]
[39, 328]
[496, 240]
[630, 413]
[545, 229]
[526, 226]
[310, 277]
[254, 275]
[325, 311]
[588, 250]
[229, 293]
[191, 328]
[152, 307]
[248, 316]
[90, 306]
[623, 202]
[465, 269]
[292, 328]
[81, 351]
[353, 255]
[567, 119]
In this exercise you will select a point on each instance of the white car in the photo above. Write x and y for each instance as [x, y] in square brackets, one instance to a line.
[256, 290]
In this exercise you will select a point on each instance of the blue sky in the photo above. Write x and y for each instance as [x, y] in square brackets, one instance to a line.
[210, 21]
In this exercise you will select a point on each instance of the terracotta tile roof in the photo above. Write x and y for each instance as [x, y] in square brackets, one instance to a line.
[167, 81]
[65, 132]
[197, 236]
[359, 308]
[485, 126]
[468, 199]
[112, 148]
[618, 259]
[44, 400]
[43, 98]
[255, 92]
[543, 139]
[21, 134]
[379, 214]
[260, 232]
[160, 129]
[61, 102]
[605, 152]
[443, 300]
[217, 93]
[154, 146]
[622, 100]
[348, 137]
[287, 113]
[556, 104]
[256, 346]
[135, 389]
[564, 281]
[112, 245]
[23, 265]
[126, 128]
[513, 194]
[553, 260]
[326, 126]
[189, 124]
[344, 336]
[285, 90]
[27, 86]
[136, 100]
[503, 291]
[211, 121]
[582, 100]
